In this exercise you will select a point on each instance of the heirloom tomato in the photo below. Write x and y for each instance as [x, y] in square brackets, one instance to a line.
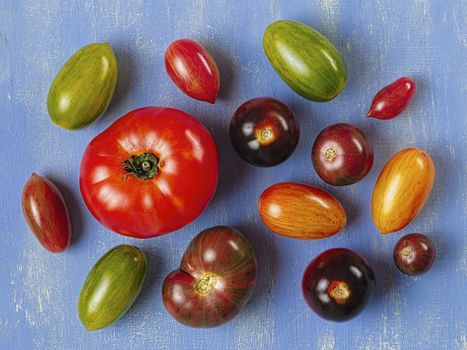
[112, 286]
[151, 172]
[82, 90]
[414, 254]
[216, 278]
[263, 131]
[301, 211]
[391, 100]
[46, 213]
[338, 284]
[401, 190]
[192, 68]
[305, 60]
[342, 154]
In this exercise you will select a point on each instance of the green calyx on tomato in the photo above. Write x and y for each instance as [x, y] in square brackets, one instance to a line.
[150, 172]
[144, 166]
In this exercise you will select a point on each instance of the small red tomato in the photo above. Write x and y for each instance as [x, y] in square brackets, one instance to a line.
[46, 214]
[391, 100]
[192, 68]
[264, 132]
[414, 254]
[215, 280]
[342, 155]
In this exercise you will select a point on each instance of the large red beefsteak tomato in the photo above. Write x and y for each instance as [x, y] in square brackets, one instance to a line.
[151, 172]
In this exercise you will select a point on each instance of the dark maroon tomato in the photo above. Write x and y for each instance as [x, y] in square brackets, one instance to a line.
[264, 132]
[338, 284]
[46, 214]
[215, 280]
[414, 254]
[342, 155]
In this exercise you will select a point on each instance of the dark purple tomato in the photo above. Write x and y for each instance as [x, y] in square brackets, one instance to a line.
[414, 254]
[264, 132]
[342, 155]
[338, 284]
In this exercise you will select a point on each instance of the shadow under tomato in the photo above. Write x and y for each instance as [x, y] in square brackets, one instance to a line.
[352, 209]
[266, 254]
[226, 71]
[74, 209]
[232, 169]
[151, 290]
[445, 247]
[386, 274]
[125, 83]
[420, 98]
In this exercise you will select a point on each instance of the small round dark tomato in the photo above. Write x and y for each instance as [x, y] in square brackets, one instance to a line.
[338, 284]
[264, 132]
[414, 254]
[216, 278]
[342, 155]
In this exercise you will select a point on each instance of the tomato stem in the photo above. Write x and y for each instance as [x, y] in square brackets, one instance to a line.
[330, 153]
[144, 166]
[206, 283]
[339, 291]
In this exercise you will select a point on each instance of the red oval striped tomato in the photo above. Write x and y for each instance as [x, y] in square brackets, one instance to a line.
[192, 68]
[46, 213]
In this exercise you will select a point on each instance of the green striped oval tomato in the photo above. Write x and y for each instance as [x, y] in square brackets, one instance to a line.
[306, 61]
[83, 88]
[111, 287]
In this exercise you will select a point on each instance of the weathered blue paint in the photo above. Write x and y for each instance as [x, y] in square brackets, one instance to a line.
[380, 41]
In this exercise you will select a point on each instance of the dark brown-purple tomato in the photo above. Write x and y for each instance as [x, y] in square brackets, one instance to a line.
[342, 155]
[264, 132]
[414, 254]
[338, 284]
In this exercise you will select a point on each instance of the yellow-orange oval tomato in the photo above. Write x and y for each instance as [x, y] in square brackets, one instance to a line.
[301, 211]
[402, 188]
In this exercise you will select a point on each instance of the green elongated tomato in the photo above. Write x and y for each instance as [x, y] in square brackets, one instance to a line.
[111, 287]
[83, 88]
[306, 61]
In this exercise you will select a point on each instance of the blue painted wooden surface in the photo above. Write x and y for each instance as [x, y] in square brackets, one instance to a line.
[380, 41]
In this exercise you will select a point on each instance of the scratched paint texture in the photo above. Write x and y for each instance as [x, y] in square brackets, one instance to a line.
[380, 41]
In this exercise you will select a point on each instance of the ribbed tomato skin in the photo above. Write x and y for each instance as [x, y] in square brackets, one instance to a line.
[225, 255]
[186, 179]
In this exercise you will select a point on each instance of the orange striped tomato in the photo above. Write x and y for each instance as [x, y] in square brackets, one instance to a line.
[402, 188]
[301, 211]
